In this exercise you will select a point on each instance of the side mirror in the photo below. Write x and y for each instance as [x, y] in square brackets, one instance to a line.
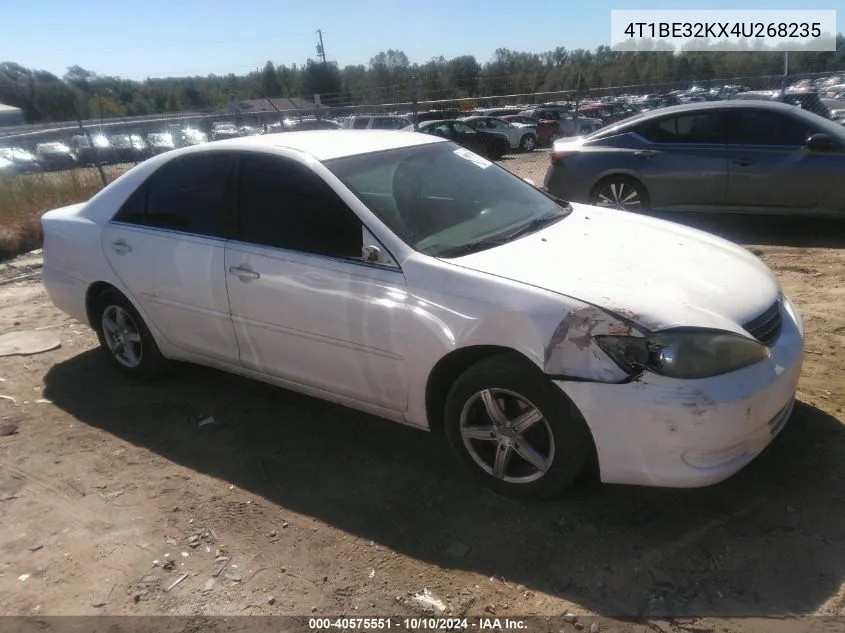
[371, 254]
[820, 143]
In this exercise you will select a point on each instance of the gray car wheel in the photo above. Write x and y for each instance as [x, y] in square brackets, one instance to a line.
[620, 192]
[528, 143]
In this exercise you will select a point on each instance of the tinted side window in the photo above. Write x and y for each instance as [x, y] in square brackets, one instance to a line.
[759, 127]
[687, 128]
[134, 209]
[360, 124]
[383, 123]
[463, 128]
[285, 205]
[192, 194]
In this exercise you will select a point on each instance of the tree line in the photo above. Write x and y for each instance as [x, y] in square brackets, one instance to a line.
[387, 78]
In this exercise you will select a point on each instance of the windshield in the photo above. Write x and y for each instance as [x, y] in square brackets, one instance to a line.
[441, 199]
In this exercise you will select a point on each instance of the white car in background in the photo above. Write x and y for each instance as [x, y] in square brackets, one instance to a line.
[375, 122]
[402, 275]
[521, 137]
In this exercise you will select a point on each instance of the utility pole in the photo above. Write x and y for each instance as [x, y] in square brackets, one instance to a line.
[321, 52]
[414, 97]
[785, 71]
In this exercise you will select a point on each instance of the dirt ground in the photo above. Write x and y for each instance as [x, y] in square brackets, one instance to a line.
[112, 491]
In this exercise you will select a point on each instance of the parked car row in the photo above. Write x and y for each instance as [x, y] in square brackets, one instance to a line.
[81, 150]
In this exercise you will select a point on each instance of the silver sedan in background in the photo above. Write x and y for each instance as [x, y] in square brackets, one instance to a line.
[734, 156]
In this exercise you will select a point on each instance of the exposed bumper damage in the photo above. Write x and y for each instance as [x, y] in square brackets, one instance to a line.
[661, 431]
[565, 357]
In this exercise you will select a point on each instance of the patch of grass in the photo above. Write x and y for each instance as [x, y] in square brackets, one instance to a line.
[24, 198]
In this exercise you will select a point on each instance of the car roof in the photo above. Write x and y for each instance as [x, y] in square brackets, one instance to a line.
[325, 144]
[704, 106]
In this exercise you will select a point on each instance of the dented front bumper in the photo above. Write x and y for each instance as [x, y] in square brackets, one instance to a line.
[660, 431]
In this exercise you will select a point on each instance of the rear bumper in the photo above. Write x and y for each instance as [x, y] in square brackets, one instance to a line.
[560, 183]
[67, 293]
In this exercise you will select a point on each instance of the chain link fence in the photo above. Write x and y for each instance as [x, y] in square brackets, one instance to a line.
[47, 165]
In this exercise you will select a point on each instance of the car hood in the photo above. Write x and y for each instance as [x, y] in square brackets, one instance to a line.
[655, 273]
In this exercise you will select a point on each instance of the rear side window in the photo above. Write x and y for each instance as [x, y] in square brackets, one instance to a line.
[134, 210]
[192, 194]
[384, 124]
[284, 204]
[686, 128]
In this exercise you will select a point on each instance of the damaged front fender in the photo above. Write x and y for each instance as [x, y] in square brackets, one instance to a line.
[572, 353]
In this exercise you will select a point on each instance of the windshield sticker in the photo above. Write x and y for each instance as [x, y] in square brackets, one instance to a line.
[475, 159]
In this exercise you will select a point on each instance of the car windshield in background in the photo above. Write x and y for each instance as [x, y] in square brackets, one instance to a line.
[446, 201]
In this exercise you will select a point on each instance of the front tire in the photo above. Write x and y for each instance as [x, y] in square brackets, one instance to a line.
[125, 338]
[515, 430]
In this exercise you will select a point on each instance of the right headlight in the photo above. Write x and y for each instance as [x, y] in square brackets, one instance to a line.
[683, 354]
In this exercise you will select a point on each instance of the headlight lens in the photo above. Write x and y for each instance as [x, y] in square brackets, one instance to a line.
[684, 354]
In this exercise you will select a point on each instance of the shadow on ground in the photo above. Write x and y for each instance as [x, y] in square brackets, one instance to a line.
[768, 542]
[775, 230]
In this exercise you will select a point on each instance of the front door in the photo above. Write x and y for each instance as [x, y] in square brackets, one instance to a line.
[305, 306]
[771, 168]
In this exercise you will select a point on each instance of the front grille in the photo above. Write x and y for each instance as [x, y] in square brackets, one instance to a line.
[766, 327]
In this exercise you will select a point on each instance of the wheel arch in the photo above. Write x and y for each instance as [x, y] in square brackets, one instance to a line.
[446, 370]
[96, 289]
[444, 373]
[92, 294]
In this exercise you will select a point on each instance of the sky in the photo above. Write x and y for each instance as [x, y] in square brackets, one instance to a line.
[159, 38]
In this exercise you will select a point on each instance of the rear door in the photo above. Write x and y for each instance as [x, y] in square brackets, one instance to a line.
[684, 163]
[167, 246]
[772, 170]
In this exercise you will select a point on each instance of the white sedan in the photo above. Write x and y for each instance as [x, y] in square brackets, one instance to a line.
[521, 137]
[402, 275]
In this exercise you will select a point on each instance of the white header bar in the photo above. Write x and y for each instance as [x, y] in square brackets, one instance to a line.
[714, 30]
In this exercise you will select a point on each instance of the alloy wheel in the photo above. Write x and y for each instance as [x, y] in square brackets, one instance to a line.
[122, 336]
[507, 436]
[619, 195]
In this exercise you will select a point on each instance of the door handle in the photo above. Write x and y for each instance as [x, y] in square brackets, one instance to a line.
[243, 273]
[743, 162]
[121, 247]
[645, 153]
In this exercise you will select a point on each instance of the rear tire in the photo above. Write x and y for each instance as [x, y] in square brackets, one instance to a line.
[516, 432]
[125, 338]
[620, 192]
